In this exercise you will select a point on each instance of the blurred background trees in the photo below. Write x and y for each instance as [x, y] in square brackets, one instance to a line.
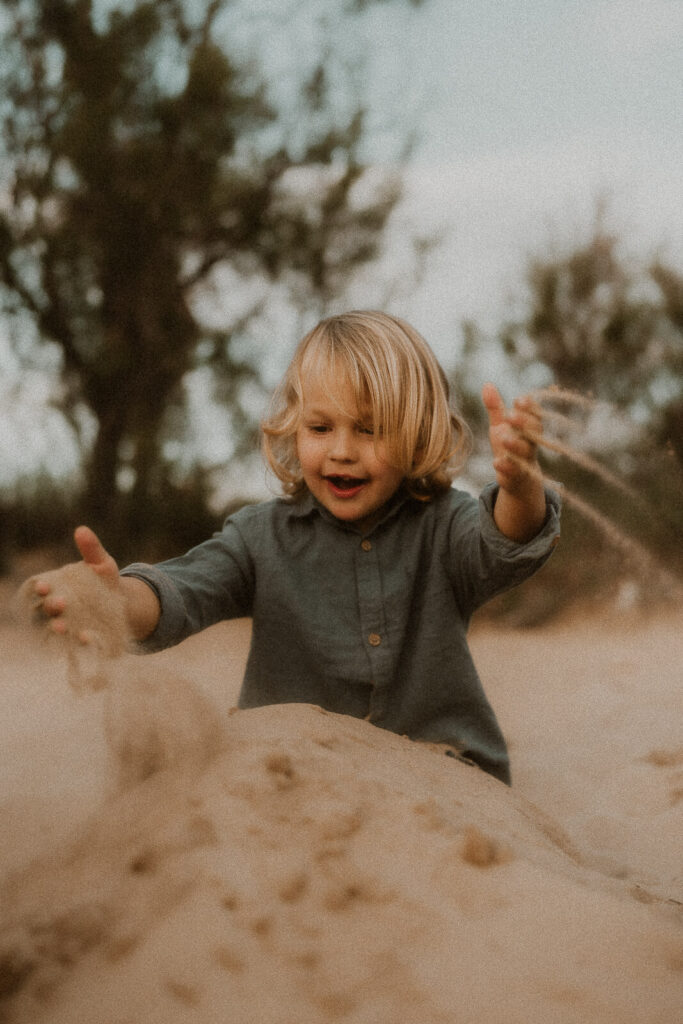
[147, 167]
[609, 334]
[160, 200]
[605, 330]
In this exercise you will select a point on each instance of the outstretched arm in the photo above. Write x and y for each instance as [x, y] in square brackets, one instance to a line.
[142, 605]
[520, 509]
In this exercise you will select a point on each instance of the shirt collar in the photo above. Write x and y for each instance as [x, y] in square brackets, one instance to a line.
[307, 505]
[302, 506]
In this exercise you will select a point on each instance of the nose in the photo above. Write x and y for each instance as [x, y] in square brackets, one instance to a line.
[343, 446]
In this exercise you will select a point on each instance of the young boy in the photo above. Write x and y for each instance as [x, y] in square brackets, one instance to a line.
[362, 580]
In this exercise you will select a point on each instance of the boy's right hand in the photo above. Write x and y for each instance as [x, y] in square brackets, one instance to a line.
[51, 602]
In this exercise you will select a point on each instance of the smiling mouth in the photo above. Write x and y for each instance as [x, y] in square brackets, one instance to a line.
[346, 485]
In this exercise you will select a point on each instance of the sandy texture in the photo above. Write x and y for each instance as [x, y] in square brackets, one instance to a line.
[288, 866]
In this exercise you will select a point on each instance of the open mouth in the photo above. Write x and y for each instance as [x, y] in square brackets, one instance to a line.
[345, 486]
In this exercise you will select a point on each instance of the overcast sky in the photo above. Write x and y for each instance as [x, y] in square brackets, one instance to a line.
[528, 112]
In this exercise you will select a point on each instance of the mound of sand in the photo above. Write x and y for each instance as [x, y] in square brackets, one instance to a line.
[314, 868]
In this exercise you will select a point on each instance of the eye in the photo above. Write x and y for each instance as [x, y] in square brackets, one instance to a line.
[364, 428]
[318, 428]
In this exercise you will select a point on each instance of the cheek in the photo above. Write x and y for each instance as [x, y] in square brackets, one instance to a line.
[390, 475]
[306, 451]
[380, 457]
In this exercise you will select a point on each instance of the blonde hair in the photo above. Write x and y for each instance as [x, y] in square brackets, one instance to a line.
[396, 378]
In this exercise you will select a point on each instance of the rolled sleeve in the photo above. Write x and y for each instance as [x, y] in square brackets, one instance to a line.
[211, 582]
[483, 562]
[538, 548]
[172, 626]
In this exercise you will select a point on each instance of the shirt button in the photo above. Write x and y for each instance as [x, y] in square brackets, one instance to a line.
[366, 545]
[375, 639]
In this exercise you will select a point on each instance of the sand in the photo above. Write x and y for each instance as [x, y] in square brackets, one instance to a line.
[285, 865]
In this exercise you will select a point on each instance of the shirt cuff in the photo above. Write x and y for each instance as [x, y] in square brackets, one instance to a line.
[171, 627]
[544, 541]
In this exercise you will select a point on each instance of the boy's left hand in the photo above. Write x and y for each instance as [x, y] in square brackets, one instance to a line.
[514, 453]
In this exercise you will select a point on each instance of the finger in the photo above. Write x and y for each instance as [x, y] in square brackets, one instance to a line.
[495, 406]
[54, 605]
[45, 603]
[90, 546]
[95, 554]
[519, 444]
[527, 416]
[528, 403]
[504, 466]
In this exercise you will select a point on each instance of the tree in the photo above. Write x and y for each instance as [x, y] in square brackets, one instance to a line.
[613, 333]
[609, 331]
[668, 424]
[140, 161]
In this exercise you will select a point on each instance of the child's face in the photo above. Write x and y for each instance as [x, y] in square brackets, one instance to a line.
[343, 465]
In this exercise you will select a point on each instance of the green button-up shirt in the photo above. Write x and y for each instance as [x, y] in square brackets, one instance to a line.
[367, 625]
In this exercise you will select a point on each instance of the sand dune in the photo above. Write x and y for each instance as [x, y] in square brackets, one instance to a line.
[315, 868]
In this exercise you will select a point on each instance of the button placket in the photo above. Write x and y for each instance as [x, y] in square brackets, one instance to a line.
[371, 608]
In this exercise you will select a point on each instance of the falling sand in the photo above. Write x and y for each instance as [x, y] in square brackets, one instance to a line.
[644, 564]
[153, 719]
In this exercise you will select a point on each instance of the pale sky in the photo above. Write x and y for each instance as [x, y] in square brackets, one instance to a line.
[526, 114]
[526, 111]
[529, 111]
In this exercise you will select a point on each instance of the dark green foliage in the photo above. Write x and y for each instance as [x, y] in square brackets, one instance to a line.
[616, 334]
[612, 333]
[129, 186]
[35, 517]
[609, 332]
